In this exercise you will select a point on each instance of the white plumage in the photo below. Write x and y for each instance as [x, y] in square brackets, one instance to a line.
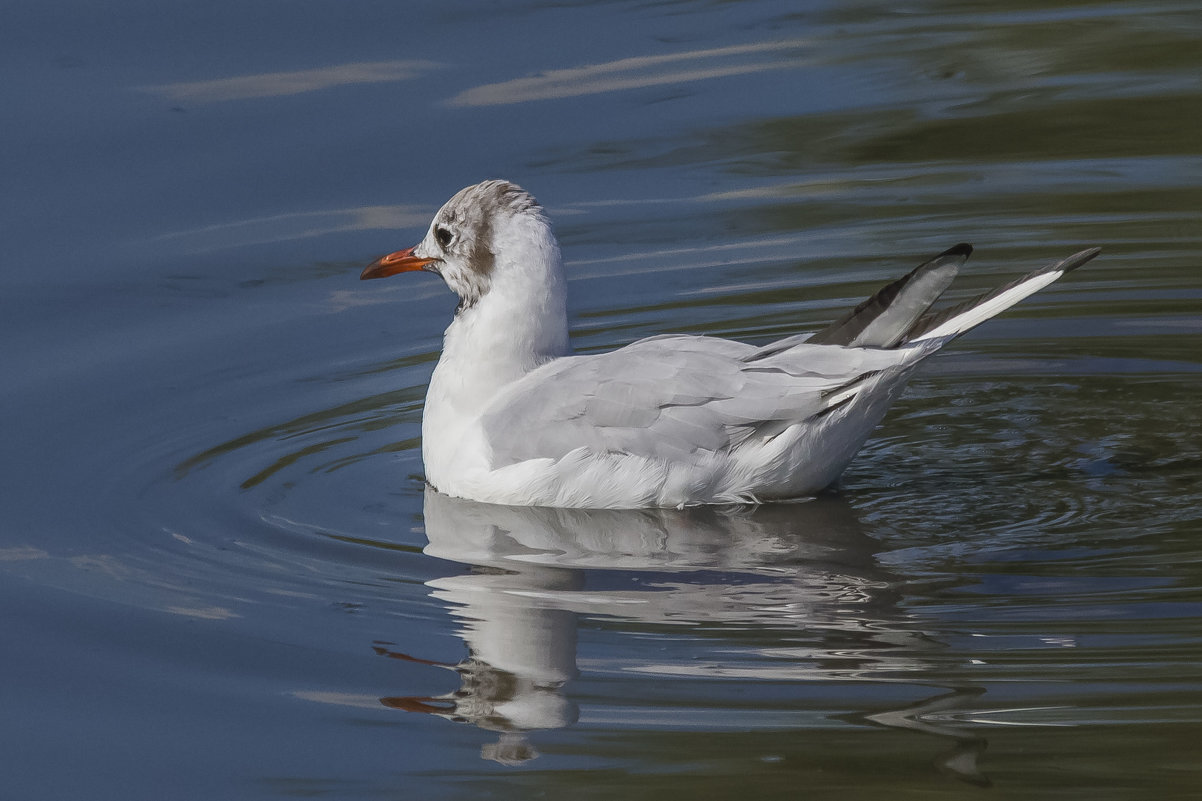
[512, 418]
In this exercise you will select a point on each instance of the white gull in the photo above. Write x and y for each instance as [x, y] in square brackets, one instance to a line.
[512, 417]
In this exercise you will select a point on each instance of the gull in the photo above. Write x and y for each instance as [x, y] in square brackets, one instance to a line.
[513, 417]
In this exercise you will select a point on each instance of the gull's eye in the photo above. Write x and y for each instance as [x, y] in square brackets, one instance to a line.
[442, 235]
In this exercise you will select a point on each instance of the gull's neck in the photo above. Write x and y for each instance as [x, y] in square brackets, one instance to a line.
[519, 323]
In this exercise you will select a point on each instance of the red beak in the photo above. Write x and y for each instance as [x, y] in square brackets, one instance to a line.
[402, 261]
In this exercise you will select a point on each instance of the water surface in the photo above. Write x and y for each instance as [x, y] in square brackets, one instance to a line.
[222, 576]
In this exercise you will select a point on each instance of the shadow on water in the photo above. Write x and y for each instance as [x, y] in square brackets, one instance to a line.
[797, 587]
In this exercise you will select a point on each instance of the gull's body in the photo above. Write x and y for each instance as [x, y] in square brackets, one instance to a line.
[512, 417]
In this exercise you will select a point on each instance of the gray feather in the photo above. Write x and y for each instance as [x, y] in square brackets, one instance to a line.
[883, 319]
[669, 397]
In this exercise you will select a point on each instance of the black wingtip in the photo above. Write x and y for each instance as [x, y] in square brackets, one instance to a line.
[1071, 263]
[1077, 259]
[963, 249]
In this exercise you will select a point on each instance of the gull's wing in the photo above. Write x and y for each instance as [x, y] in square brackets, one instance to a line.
[673, 396]
[900, 313]
[883, 319]
[951, 323]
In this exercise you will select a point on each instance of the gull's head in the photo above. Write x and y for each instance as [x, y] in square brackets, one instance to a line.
[480, 231]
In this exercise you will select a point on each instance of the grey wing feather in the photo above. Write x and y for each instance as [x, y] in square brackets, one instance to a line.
[777, 347]
[883, 319]
[652, 397]
[667, 398]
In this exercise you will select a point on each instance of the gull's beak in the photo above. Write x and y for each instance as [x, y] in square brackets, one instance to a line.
[402, 261]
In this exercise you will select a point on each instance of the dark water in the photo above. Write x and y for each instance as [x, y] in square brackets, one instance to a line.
[221, 577]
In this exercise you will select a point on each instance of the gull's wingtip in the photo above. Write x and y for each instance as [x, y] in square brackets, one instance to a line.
[961, 318]
[1077, 259]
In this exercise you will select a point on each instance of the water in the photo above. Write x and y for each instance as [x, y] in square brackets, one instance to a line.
[222, 576]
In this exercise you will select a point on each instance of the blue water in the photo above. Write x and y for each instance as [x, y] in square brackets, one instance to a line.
[221, 575]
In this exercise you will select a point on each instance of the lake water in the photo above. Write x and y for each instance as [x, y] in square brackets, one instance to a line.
[221, 576]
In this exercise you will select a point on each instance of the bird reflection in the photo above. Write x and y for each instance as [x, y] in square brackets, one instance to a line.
[806, 573]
